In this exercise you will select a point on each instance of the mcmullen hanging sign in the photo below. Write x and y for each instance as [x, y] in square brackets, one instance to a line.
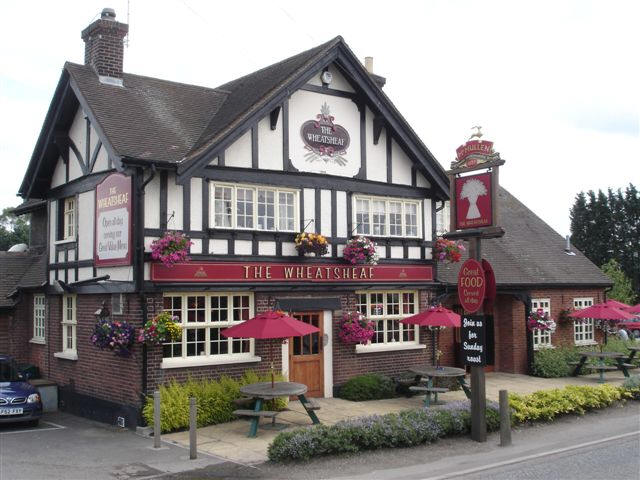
[474, 201]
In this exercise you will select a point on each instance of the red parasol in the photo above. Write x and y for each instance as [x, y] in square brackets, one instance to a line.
[603, 311]
[617, 304]
[634, 309]
[631, 325]
[434, 317]
[270, 325]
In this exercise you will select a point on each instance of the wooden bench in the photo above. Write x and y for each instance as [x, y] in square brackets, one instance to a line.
[601, 367]
[246, 402]
[253, 413]
[629, 366]
[575, 364]
[429, 389]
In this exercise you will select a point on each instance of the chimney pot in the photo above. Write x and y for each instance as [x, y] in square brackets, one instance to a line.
[108, 14]
[368, 64]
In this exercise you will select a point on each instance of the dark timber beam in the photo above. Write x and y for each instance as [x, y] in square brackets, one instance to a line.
[273, 117]
[378, 125]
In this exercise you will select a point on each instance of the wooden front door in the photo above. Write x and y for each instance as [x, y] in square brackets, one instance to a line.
[306, 360]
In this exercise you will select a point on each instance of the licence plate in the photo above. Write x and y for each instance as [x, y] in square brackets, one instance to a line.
[10, 411]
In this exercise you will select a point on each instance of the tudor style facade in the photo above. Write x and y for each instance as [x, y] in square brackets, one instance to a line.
[310, 144]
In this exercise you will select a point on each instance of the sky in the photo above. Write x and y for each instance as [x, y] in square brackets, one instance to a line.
[554, 84]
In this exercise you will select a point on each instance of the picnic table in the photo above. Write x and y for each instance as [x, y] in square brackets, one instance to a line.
[633, 350]
[265, 391]
[431, 372]
[620, 358]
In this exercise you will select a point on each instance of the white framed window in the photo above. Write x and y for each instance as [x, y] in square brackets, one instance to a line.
[443, 219]
[202, 317]
[381, 216]
[385, 309]
[541, 338]
[69, 323]
[583, 331]
[69, 219]
[254, 208]
[39, 316]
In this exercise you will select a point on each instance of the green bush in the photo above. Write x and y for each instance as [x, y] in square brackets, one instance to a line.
[404, 429]
[550, 363]
[370, 386]
[632, 386]
[547, 404]
[214, 399]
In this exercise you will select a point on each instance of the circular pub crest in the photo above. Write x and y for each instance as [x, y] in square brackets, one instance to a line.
[326, 141]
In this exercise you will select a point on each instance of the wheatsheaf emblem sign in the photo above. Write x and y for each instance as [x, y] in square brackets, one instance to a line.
[326, 141]
[113, 221]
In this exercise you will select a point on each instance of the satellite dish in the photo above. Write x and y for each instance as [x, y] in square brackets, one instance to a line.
[19, 248]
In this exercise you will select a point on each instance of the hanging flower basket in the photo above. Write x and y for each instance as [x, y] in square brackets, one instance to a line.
[540, 320]
[355, 328]
[172, 247]
[360, 250]
[113, 335]
[564, 315]
[160, 329]
[311, 243]
[448, 251]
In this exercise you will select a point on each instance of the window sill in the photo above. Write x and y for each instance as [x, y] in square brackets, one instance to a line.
[389, 347]
[66, 355]
[66, 240]
[204, 361]
[586, 343]
[542, 347]
[38, 341]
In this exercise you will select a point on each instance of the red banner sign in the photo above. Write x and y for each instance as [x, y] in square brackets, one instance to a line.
[113, 218]
[471, 285]
[473, 201]
[289, 272]
[474, 147]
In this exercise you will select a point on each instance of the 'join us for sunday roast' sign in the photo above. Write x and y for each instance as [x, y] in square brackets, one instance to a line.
[113, 221]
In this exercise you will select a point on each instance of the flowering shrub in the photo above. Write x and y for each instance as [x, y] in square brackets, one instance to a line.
[160, 329]
[360, 250]
[311, 243]
[404, 429]
[113, 335]
[541, 321]
[355, 328]
[172, 247]
[448, 250]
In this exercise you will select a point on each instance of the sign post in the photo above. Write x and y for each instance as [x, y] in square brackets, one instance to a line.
[474, 216]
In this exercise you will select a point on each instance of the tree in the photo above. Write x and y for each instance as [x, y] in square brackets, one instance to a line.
[13, 229]
[622, 289]
[606, 226]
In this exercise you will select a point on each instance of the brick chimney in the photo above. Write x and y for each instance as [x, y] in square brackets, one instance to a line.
[104, 48]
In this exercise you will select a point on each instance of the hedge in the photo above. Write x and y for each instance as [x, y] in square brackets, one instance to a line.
[404, 429]
[214, 399]
[370, 386]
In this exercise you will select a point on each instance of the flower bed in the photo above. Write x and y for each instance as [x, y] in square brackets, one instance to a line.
[404, 429]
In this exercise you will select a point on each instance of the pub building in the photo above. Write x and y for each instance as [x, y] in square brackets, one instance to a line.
[309, 144]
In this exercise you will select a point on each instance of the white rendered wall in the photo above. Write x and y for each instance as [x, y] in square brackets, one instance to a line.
[397, 251]
[218, 246]
[85, 273]
[174, 204]
[77, 133]
[338, 82]
[196, 203]
[421, 181]
[305, 106]
[59, 174]
[266, 248]
[289, 249]
[325, 212]
[239, 152]
[309, 210]
[243, 247]
[86, 214]
[53, 215]
[122, 274]
[400, 165]
[270, 144]
[102, 161]
[152, 203]
[376, 154]
[341, 208]
[196, 245]
[426, 209]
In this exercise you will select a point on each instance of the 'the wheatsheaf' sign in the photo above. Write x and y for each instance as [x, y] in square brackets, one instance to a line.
[113, 221]
[288, 272]
[326, 141]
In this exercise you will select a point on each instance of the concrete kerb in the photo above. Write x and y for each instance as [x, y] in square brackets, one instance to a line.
[229, 441]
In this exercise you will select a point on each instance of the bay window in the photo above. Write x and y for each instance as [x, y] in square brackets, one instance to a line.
[541, 338]
[379, 216]
[583, 329]
[385, 309]
[202, 316]
[254, 208]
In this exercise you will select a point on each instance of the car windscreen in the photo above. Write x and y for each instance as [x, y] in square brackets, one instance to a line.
[8, 371]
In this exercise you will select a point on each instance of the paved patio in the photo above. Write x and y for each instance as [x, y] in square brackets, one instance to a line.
[230, 441]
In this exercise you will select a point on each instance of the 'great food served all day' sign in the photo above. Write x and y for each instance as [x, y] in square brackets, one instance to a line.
[113, 221]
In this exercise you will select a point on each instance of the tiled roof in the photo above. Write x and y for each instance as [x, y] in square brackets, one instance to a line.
[22, 269]
[530, 253]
